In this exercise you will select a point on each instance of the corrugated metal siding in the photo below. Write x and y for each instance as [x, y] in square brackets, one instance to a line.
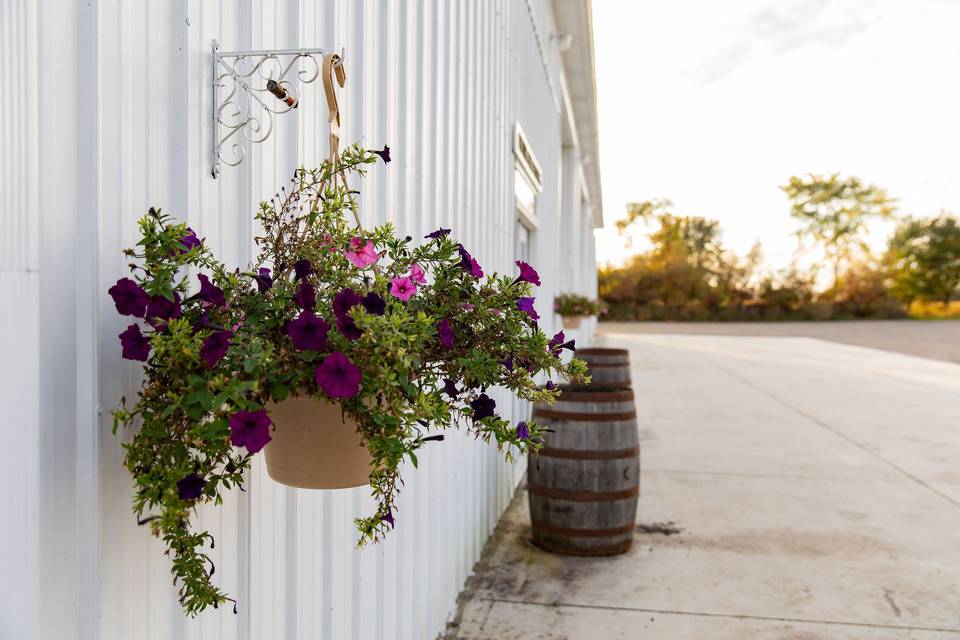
[124, 123]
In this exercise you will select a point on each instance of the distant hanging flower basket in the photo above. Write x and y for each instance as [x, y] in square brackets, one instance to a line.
[573, 307]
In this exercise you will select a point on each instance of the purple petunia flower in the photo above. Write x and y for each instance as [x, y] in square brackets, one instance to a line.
[402, 288]
[384, 155]
[483, 407]
[129, 298]
[526, 304]
[344, 301]
[190, 487]
[439, 233]
[508, 363]
[163, 308]
[189, 241]
[306, 297]
[523, 431]
[250, 429]
[349, 328]
[374, 304]
[388, 518]
[557, 344]
[446, 334]
[264, 280]
[302, 268]
[550, 386]
[337, 376]
[527, 273]
[135, 345]
[308, 331]
[468, 263]
[450, 388]
[215, 346]
[211, 292]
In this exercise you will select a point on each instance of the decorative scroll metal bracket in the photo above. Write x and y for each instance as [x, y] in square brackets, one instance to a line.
[249, 89]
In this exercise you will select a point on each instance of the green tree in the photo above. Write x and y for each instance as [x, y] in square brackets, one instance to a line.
[924, 259]
[834, 212]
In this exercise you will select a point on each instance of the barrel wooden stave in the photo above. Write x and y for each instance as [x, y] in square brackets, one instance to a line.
[584, 485]
[607, 367]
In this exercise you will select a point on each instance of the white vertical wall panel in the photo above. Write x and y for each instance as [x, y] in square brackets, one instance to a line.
[118, 121]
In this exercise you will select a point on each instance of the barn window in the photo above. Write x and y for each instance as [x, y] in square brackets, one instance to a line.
[527, 185]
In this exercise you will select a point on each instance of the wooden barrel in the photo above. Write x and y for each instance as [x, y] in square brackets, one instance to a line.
[607, 367]
[584, 484]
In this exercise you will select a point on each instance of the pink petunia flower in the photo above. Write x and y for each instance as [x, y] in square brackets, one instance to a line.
[361, 253]
[402, 288]
[417, 275]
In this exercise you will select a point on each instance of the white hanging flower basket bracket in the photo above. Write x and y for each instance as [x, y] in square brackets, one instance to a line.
[249, 89]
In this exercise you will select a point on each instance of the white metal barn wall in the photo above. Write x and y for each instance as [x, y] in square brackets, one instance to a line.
[108, 107]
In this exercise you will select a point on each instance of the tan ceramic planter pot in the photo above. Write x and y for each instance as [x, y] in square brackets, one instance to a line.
[314, 448]
[572, 322]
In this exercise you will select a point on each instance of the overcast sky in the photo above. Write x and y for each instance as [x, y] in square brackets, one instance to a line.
[714, 104]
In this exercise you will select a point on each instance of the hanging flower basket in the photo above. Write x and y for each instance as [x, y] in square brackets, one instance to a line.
[573, 308]
[341, 351]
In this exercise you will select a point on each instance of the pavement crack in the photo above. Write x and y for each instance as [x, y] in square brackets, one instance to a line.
[888, 596]
[736, 616]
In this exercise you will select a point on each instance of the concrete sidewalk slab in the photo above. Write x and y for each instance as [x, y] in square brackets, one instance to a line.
[817, 489]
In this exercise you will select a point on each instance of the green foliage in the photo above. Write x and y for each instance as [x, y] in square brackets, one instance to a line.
[834, 212]
[183, 411]
[924, 259]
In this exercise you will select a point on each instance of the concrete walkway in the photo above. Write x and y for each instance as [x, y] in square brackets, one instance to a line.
[816, 486]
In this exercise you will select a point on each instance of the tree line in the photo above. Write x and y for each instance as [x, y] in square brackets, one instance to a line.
[687, 273]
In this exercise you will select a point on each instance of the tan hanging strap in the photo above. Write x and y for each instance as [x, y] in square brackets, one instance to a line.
[333, 65]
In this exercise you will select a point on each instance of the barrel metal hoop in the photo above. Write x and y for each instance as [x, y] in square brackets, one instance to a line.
[584, 417]
[581, 533]
[582, 394]
[582, 496]
[585, 454]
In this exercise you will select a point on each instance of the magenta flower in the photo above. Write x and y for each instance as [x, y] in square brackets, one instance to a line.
[348, 328]
[211, 292]
[361, 253]
[402, 288]
[374, 304]
[526, 304]
[483, 407]
[129, 298]
[135, 345]
[450, 388]
[302, 268]
[468, 264]
[250, 429]
[306, 297]
[344, 301]
[523, 431]
[469, 307]
[215, 347]
[384, 155]
[337, 376]
[264, 280]
[308, 332]
[163, 308]
[439, 233]
[190, 487]
[527, 273]
[446, 334]
[417, 275]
